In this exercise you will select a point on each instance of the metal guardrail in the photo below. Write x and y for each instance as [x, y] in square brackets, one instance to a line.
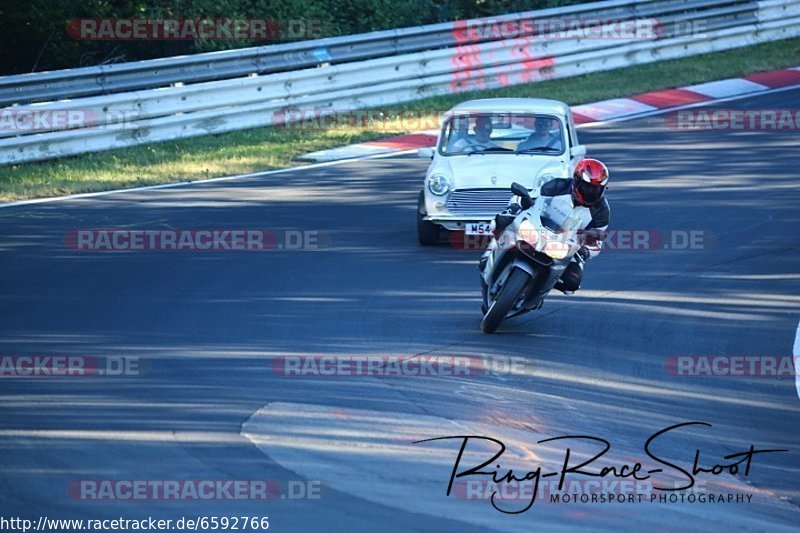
[465, 63]
[106, 79]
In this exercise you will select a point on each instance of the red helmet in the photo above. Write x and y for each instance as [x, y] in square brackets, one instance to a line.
[589, 182]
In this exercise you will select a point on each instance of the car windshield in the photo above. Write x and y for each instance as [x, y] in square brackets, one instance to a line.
[502, 133]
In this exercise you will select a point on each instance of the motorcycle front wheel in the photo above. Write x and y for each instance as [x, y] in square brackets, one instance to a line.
[505, 300]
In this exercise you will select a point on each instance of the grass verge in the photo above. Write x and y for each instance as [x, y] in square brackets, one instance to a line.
[269, 148]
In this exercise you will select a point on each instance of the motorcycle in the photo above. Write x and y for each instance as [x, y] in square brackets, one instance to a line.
[527, 258]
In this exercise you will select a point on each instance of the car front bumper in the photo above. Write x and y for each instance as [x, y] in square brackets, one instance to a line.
[459, 222]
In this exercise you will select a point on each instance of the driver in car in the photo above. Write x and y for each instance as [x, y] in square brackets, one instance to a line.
[541, 138]
[481, 139]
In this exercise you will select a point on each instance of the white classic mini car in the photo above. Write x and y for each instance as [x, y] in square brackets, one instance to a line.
[484, 146]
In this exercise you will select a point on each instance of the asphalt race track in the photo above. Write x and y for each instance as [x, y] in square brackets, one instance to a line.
[206, 326]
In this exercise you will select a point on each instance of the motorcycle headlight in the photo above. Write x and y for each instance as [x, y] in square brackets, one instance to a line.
[527, 232]
[438, 185]
[556, 249]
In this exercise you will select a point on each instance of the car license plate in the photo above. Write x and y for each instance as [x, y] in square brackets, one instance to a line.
[478, 228]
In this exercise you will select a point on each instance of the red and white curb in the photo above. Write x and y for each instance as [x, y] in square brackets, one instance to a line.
[598, 112]
[393, 144]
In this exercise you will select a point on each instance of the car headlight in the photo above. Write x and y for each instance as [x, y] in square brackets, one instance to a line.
[438, 185]
[527, 232]
[556, 249]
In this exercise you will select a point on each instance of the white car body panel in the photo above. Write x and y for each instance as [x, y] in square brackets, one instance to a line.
[490, 175]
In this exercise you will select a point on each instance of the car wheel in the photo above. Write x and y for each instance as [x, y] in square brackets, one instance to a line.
[427, 232]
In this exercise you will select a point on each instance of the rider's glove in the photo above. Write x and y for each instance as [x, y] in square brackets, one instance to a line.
[584, 254]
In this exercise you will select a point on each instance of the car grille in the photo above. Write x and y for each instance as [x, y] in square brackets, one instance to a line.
[488, 201]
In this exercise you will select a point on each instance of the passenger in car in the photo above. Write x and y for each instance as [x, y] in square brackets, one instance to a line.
[542, 137]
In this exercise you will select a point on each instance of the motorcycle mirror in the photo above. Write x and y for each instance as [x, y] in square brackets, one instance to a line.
[522, 192]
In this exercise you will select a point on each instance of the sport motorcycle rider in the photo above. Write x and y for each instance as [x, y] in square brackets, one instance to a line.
[587, 188]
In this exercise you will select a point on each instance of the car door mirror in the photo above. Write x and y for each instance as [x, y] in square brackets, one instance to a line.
[425, 153]
[577, 151]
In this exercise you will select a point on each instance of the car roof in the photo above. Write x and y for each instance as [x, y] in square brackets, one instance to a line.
[512, 105]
